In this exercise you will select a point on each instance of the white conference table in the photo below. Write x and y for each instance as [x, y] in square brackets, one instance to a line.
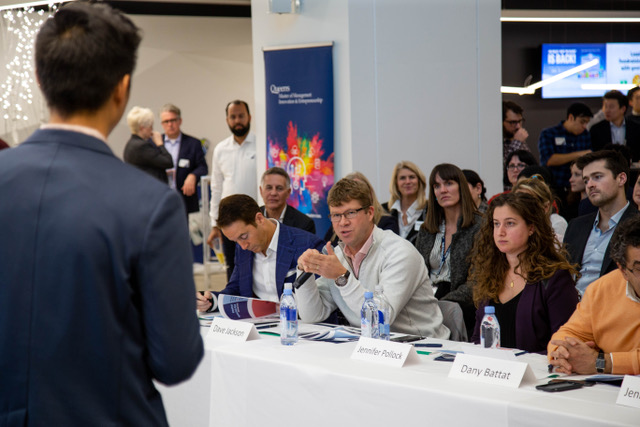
[263, 383]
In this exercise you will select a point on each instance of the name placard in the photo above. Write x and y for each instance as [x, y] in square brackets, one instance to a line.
[491, 370]
[629, 394]
[228, 330]
[385, 352]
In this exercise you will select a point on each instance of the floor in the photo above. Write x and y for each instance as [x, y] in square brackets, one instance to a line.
[217, 277]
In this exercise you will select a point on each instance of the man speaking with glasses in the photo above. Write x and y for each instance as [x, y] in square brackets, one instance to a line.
[603, 334]
[189, 163]
[366, 257]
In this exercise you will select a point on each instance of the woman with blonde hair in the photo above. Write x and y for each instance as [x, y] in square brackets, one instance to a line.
[145, 149]
[446, 237]
[517, 268]
[541, 191]
[408, 199]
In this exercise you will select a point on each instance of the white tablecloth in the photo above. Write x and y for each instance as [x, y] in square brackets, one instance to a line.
[262, 383]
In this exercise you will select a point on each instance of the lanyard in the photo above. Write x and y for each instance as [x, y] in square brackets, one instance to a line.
[444, 253]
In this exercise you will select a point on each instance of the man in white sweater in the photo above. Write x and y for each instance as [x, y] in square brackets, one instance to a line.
[367, 256]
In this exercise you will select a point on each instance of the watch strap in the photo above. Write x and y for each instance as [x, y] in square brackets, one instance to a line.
[600, 363]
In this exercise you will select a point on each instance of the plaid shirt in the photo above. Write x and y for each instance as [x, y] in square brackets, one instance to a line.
[509, 146]
[557, 140]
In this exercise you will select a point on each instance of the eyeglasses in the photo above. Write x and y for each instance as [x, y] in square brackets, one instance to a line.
[518, 166]
[635, 271]
[335, 218]
[514, 122]
[166, 122]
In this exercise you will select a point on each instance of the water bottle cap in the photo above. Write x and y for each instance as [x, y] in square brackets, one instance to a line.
[489, 309]
[288, 291]
[368, 295]
[288, 285]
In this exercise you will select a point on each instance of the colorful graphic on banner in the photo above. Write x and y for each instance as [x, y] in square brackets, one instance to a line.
[299, 104]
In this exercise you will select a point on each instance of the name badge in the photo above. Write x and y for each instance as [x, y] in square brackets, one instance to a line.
[183, 163]
[561, 141]
[629, 394]
[227, 330]
[384, 352]
[491, 370]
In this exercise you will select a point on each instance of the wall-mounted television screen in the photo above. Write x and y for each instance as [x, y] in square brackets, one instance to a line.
[619, 63]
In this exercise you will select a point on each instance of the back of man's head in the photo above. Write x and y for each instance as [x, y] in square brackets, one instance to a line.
[510, 106]
[626, 234]
[347, 190]
[238, 207]
[613, 160]
[623, 101]
[82, 52]
[578, 109]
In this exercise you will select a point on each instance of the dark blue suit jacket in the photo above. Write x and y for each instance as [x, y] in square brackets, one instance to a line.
[292, 243]
[191, 151]
[96, 287]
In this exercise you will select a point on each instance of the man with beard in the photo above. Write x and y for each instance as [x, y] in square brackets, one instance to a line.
[514, 136]
[233, 170]
[189, 163]
[587, 237]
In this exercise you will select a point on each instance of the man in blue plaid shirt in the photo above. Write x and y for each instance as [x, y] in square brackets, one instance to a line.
[562, 144]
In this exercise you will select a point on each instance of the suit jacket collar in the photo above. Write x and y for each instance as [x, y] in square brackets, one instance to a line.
[70, 138]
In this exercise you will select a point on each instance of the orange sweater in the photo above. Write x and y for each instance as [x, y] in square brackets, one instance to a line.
[609, 318]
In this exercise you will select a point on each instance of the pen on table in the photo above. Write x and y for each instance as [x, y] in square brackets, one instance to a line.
[267, 325]
[427, 344]
[520, 353]
[268, 333]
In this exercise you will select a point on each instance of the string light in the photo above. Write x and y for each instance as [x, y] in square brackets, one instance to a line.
[20, 100]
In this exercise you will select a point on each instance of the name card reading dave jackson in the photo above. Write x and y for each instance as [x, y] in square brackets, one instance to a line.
[629, 394]
[228, 330]
[384, 352]
[491, 370]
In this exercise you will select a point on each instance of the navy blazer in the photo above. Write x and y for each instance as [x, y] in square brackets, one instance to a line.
[578, 233]
[292, 243]
[190, 160]
[294, 218]
[96, 286]
[601, 136]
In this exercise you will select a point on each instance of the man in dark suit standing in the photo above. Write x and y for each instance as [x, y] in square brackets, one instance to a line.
[275, 188]
[616, 129]
[189, 163]
[96, 282]
[587, 237]
[266, 251]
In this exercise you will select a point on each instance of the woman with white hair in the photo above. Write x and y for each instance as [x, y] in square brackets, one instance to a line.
[145, 149]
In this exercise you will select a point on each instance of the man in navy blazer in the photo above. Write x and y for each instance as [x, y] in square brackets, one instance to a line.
[587, 237]
[263, 245]
[96, 282]
[189, 163]
[616, 128]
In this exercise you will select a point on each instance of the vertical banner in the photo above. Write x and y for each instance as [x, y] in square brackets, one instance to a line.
[299, 104]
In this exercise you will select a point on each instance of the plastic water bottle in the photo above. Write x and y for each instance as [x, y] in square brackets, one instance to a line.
[369, 317]
[489, 329]
[288, 317]
[384, 310]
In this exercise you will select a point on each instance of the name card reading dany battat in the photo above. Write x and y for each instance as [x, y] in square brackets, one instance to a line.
[384, 352]
[491, 370]
[629, 394]
[228, 330]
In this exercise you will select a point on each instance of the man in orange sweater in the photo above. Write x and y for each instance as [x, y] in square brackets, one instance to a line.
[603, 334]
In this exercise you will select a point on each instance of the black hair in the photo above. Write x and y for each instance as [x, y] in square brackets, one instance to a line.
[236, 102]
[623, 101]
[578, 109]
[81, 54]
[474, 179]
[510, 106]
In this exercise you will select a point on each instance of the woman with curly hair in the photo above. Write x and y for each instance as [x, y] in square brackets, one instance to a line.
[517, 268]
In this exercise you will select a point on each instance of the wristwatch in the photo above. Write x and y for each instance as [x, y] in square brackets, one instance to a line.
[342, 280]
[600, 363]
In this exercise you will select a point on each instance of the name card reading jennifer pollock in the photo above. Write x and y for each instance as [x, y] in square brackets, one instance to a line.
[385, 352]
[629, 394]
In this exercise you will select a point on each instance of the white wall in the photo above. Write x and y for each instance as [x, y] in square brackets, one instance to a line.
[196, 63]
[414, 80]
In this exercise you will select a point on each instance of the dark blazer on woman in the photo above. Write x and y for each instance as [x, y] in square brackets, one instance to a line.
[544, 306]
[413, 233]
[148, 156]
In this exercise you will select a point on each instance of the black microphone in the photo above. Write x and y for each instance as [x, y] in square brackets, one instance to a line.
[306, 275]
